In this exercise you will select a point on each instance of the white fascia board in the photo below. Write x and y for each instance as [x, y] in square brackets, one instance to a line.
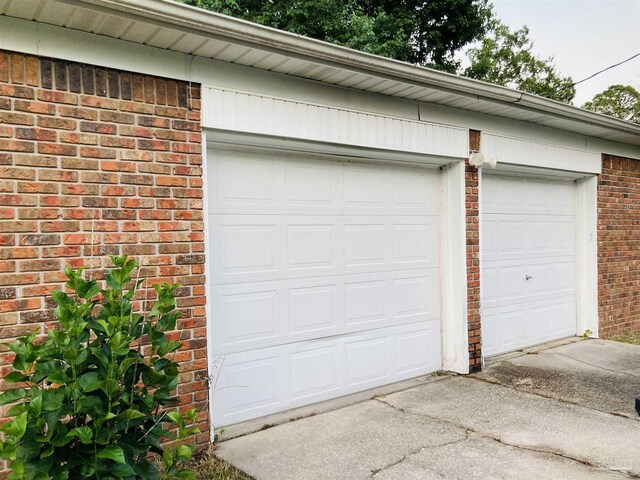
[490, 124]
[230, 110]
[520, 151]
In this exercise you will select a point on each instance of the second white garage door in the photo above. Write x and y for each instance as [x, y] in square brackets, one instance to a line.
[324, 278]
[528, 262]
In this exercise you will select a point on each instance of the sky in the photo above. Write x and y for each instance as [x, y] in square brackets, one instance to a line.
[583, 36]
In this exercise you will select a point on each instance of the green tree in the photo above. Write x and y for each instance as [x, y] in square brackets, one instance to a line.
[424, 32]
[618, 101]
[506, 58]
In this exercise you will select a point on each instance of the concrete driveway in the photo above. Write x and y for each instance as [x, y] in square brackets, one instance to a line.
[559, 411]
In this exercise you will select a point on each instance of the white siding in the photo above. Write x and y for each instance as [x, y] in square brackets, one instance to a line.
[519, 151]
[244, 112]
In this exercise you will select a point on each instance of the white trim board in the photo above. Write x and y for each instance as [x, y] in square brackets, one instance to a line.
[520, 151]
[238, 111]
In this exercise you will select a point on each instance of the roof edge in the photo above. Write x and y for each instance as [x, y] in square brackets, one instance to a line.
[172, 13]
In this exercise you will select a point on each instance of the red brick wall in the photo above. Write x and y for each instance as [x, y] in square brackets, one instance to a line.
[619, 245]
[89, 150]
[473, 258]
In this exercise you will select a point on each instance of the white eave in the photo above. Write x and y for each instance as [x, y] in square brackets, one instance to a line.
[177, 27]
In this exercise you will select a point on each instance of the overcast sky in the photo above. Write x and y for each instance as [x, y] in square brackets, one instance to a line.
[583, 36]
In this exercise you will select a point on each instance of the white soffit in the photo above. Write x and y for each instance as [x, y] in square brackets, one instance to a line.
[276, 117]
[180, 28]
[518, 151]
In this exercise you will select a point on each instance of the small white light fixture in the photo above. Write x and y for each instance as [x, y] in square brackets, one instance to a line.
[477, 160]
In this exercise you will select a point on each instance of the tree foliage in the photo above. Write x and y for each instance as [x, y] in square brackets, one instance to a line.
[86, 400]
[506, 58]
[618, 101]
[424, 32]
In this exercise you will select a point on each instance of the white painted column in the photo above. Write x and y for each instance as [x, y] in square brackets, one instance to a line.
[453, 268]
[587, 255]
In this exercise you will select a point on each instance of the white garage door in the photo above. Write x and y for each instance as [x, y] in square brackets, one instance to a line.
[528, 262]
[324, 278]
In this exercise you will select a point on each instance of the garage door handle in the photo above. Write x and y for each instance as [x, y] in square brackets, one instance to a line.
[528, 277]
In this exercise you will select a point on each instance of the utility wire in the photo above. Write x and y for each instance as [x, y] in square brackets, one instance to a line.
[605, 69]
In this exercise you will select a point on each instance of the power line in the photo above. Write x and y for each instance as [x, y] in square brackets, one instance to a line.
[605, 69]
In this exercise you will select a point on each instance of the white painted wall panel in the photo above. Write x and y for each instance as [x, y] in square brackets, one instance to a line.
[324, 277]
[520, 151]
[252, 113]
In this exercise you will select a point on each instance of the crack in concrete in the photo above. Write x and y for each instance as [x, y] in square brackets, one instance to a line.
[468, 431]
[376, 471]
[558, 453]
[540, 393]
[599, 367]
[464, 432]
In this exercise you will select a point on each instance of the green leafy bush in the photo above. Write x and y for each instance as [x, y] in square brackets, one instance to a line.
[90, 403]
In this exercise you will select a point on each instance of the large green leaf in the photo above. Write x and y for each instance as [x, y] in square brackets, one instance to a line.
[52, 399]
[113, 452]
[130, 414]
[16, 427]
[169, 347]
[110, 386]
[10, 396]
[84, 434]
[16, 376]
[89, 382]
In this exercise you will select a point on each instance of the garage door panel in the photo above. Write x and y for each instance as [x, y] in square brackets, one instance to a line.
[502, 330]
[242, 181]
[563, 276]
[314, 371]
[526, 238]
[250, 383]
[269, 247]
[312, 248]
[514, 327]
[249, 317]
[277, 183]
[268, 313]
[365, 244]
[364, 187]
[311, 184]
[312, 309]
[246, 249]
[324, 278]
[528, 262]
[413, 190]
[506, 195]
[264, 381]
[504, 283]
[417, 351]
[368, 360]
